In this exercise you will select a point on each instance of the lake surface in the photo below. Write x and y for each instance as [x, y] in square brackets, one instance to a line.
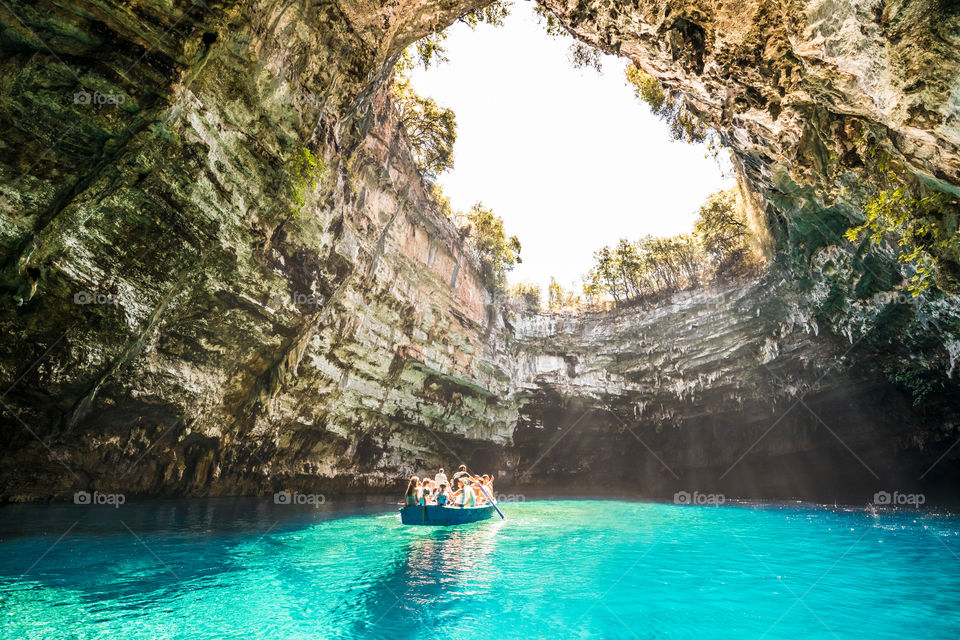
[555, 568]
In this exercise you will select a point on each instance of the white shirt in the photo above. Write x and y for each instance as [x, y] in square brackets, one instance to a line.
[440, 478]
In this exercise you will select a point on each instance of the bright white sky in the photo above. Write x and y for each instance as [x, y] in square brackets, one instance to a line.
[568, 158]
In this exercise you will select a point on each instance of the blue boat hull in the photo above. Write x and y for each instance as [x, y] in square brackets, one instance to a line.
[444, 516]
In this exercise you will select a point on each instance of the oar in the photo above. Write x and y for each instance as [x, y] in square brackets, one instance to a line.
[503, 517]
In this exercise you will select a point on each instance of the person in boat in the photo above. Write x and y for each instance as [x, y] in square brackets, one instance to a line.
[442, 495]
[426, 498]
[429, 484]
[461, 472]
[411, 496]
[468, 497]
[476, 486]
[487, 483]
[440, 478]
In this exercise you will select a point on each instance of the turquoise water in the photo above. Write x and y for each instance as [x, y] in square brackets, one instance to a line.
[557, 569]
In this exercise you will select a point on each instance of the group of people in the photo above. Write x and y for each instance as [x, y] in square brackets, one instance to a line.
[463, 490]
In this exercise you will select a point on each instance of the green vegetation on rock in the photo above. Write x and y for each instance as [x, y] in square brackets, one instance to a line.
[528, 293]
[684, 125]
[306, 171]
[919, 221]
[497, 252]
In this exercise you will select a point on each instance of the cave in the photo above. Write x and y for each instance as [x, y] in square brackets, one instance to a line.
[174, 288]
[229, 291]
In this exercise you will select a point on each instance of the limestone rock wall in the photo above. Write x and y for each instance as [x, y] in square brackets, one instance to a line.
[182, 312]
[807, 95]
[186, 311]
[723, 389]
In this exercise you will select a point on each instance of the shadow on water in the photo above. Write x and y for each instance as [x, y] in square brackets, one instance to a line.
[424, 587]
[147, 550]
[347, 567]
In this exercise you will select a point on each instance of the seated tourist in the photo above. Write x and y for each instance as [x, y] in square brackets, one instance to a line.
[411, 496]
[440, 478]
[487, 483]
[468, 498]
[442, 495]
[425, 498]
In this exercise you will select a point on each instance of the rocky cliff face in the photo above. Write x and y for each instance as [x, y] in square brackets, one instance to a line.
[819, 101]
[222, 274]
[185, 311]
[722, 389]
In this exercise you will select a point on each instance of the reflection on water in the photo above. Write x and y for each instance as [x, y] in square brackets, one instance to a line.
[437, 569]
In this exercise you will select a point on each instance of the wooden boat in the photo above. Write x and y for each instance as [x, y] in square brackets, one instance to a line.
[444, 516]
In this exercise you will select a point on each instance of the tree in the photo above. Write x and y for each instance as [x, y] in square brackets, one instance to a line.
[560, 298]
[653, 265]
[723, 231]
[497, 253]
[430, 48]
[684, 125]
[528, 292]
[917, 221]
[581, 55]
[431, 129]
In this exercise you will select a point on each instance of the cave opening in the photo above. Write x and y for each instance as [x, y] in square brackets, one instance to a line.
[573, 149]
[230, 279]
[529, 89]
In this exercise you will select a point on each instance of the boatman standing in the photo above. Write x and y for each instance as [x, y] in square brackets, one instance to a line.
[462, 471]
[440, 478]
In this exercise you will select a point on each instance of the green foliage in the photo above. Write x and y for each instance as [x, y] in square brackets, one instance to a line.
[560, 298]
[684, 125]
[917, 223]
[497, 252]
[493, 14]
[527, 292]
[443, 202]
[724, 233]
[431, 129]
[919, 381]
[651, 266]
[550, 22]
[581, 55]
[719, 247]
[430, 48]
[306, 170]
